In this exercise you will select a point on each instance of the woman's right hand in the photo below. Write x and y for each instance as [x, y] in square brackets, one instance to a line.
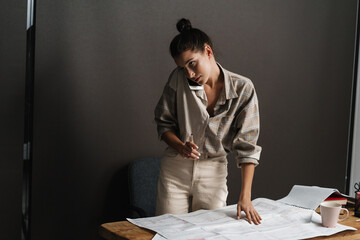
[189, 151]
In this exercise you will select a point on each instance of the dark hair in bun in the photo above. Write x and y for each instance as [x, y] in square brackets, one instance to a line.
[188, 39]
[183, 25]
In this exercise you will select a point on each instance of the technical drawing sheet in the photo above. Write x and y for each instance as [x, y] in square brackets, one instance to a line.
[280, 221]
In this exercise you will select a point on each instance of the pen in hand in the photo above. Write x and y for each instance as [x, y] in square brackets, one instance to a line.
[194, 154]
[192, 141]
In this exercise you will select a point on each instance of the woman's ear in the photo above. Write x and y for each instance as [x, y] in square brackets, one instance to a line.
[208, 51]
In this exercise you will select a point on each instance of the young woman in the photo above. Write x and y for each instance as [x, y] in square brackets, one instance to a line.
[204, 113]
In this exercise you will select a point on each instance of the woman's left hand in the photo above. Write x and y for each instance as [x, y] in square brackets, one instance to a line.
[251, 214]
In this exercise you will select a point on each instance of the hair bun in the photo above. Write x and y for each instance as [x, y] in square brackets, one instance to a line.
[183, 25]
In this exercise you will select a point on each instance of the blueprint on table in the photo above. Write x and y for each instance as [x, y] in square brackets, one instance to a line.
[279, 221]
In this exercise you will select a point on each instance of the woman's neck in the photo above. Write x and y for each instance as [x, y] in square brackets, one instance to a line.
[215, 76]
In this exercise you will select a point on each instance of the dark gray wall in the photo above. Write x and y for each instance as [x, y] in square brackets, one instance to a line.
[12, 94]
[101, 67]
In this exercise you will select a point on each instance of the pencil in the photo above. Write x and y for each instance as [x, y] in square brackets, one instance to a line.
[192, 138]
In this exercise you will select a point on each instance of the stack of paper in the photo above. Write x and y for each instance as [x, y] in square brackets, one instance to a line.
[307, 197]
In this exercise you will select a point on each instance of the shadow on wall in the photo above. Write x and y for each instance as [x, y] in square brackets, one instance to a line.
[116, 204]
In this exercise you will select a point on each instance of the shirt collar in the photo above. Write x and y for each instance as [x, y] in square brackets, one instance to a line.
[229, 89]
[228, 92]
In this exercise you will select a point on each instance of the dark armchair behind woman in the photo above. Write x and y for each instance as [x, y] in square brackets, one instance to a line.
[143, 178]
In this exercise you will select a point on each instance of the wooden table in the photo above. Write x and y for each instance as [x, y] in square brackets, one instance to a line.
[125, 230]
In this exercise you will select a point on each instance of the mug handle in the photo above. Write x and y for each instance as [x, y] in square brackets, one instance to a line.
[347, 214]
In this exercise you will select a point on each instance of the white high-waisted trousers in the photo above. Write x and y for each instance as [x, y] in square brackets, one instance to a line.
[202, 181]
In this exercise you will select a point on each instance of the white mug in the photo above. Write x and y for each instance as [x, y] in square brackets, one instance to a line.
[330, 214]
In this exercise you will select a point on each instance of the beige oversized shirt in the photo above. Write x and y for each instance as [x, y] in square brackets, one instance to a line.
[233, 128]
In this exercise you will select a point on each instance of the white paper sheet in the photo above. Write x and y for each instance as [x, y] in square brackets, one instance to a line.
[158, 237]
[280, 221]
[308, 197]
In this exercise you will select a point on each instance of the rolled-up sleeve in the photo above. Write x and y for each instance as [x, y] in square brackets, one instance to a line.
[247, 124]
[165, 112]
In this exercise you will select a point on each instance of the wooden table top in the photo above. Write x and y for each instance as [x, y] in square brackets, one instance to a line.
[124, 230]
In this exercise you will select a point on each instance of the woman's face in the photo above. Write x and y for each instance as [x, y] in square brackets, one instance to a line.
[196, 65]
